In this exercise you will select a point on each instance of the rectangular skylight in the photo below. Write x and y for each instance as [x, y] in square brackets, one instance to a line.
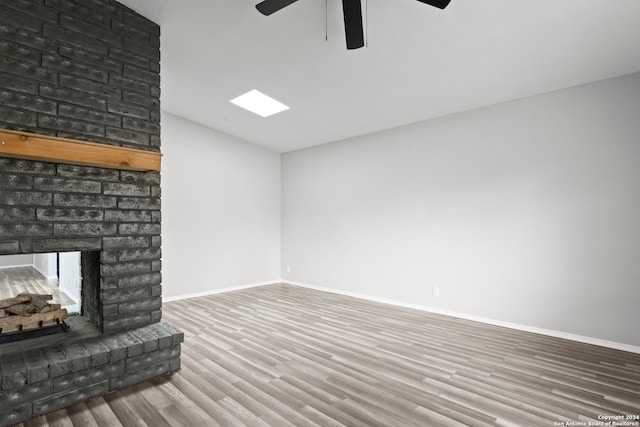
[259, 103]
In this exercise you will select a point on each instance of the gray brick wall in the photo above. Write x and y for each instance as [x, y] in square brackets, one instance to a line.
[77, 69]
[87, 70]
[50, 207]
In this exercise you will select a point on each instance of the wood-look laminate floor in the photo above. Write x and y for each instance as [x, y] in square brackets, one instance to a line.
[17, 280]
[280, 355]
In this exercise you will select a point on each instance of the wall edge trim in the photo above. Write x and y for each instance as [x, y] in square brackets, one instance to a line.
[221, 290]
[16, 266]
[520, 327]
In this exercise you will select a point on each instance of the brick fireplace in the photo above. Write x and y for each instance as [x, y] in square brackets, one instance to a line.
[86, 70]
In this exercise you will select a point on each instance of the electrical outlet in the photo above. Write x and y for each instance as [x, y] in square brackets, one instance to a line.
[288, 269]
[436, 291]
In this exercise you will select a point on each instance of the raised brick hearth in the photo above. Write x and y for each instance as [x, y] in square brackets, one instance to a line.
[86, 70]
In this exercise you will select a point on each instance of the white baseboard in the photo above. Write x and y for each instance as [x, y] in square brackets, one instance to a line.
[71, 295]
[44, 273]
[15, 266]
[220, 291]
[516, 326]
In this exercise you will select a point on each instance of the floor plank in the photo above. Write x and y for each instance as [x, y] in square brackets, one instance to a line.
[281, 355]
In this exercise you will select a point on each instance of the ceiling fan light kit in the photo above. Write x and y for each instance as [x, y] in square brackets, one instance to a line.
[352, 11]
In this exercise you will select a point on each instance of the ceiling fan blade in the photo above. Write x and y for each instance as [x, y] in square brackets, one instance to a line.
[352, 10]
[267, 7]
[441, 4]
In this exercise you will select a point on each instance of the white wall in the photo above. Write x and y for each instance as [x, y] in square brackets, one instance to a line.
[220, 210]
[9, 261]
[46, 264]
[525, 212]
[70, 281]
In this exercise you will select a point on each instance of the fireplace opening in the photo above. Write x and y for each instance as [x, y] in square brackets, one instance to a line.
[44, 293]
[57, 274]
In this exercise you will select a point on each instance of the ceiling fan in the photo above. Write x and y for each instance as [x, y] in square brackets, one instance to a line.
[352, 11]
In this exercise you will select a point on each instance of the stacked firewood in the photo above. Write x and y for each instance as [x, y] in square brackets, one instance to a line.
[26, 311]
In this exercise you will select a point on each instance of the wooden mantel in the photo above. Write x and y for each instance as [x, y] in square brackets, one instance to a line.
[31, 146]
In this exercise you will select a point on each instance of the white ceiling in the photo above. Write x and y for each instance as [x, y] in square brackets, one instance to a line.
[420, 62]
